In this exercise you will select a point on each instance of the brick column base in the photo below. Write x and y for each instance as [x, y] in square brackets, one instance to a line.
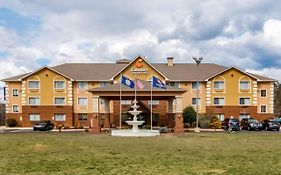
[179, 123]
[95, 123]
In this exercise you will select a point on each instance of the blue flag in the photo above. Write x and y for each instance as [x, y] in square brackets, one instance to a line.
[126, 81]
[158, 83]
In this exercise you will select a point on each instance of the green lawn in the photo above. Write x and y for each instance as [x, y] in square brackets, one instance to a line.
[85, 153]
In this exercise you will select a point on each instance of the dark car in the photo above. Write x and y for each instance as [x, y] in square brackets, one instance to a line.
[251, 124]
[271, 124]
[231, 122]
[43, 126]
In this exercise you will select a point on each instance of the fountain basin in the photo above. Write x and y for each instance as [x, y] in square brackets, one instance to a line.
[135, 125]
[130, 133]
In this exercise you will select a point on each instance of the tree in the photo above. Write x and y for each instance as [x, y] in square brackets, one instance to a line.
[277, 100]
[189, 115]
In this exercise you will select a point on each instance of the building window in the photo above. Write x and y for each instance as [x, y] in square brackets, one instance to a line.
[245, 85]
[126, 102]
[15, 108]
[59, 100]
[244, 101]
[15, 92]
[82, 117]
[241, 116]
[82, 85]
[59, 84]
[263, 93]
[174, 84]
[103, 84]
[193, 101]
[82, 101]
[218, 85]
[220, 117]
[263, 109]
[34, 101]
[33, 84]
[34, 117]
[154, 102]
[59, 117]
[194, 85]
[102, 102]
[218, 101]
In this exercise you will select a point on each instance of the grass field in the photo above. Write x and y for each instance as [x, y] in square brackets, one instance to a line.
[85, 153]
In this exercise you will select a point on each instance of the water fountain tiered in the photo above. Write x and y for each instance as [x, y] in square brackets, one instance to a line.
[135, 131]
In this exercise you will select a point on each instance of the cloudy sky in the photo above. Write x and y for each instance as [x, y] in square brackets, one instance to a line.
[245, 33]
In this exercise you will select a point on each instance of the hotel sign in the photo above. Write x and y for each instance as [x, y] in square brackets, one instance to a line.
[139, 68]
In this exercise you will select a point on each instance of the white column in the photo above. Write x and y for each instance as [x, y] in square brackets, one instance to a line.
[95, 104]
[208, 94]
[271, 107]
[179, 104]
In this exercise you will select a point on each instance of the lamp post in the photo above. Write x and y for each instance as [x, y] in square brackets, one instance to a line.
[198, 61]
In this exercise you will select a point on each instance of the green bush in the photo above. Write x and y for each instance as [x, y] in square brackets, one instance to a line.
[11, 122]
[189, 115]
[204, 121]
[146, 127]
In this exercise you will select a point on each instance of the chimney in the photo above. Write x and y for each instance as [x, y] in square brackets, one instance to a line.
[170, 61]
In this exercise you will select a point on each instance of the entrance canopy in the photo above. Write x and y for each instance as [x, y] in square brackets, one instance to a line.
[112, 91]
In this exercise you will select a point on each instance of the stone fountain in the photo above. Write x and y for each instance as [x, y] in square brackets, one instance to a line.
[135, 131]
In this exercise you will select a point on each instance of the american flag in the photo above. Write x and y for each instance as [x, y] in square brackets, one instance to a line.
[139, 84]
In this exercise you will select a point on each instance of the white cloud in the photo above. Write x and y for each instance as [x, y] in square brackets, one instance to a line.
[268, 72]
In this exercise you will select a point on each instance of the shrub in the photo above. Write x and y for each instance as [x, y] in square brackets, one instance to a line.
[189, 115]
[146, 127]
[204, 121]
[86, 130]
[66, 127]
[80, 127]
[11, 122]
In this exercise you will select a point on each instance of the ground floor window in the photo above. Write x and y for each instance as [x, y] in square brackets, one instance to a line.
[126, 102]
[59, 117]
[241, 116]
[34, 117]
[82, 117]
[220, 117]
[15, 108]
[154, 102]
[263, 108]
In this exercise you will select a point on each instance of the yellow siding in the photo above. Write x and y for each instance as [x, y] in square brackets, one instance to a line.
[13, 100]
[47, 92]
[264, 100]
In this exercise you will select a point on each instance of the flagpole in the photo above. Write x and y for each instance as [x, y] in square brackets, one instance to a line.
[135, 88]
[120, 121]
[151, 102]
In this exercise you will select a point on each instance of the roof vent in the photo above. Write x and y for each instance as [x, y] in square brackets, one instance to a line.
[123, 61]
[170, 61]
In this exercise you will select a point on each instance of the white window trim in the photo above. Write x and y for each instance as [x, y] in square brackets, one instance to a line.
[54, 101]
[216, 90]
[219, 104]
[244, 104]
[250, 85]
[13, 108]
[82, 104]
[34, 114]
[60, 114]
[265, 108]
[265, 93]
[34, 97]
[81, 89]
[13, 92]
[200, 85]
[33, 81]
[54, 84]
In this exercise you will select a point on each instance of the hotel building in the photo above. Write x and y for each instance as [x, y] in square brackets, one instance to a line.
[88, 94]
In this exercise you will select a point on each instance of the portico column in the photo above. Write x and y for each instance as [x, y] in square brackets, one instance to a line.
[95, 119]
[178, 117]
[107, 113]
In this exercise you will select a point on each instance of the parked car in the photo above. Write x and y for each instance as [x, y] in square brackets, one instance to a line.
[43, 126]
[251, 124]
[231, 122]
[271, 124]
[278, 119]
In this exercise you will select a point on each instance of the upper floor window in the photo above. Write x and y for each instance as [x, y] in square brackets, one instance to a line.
[263, 108]
[59, 117]
[154, 102]
[34, 117]
[263, 93]
[59, 100]
[33, 84]
[34, 100]
[244, 84]
[103, 84]
[15, 108]
[194, 85]
[244, 101]
[59, 84]
[82, 101]
[15, 92]
[219, 101]
[174, 84]
[194, 101]
[82, 85]
[218, 84]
